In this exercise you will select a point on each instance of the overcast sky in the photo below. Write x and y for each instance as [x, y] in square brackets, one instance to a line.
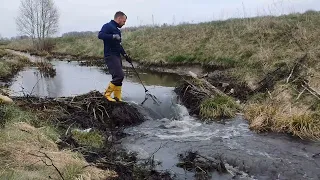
[90, 15]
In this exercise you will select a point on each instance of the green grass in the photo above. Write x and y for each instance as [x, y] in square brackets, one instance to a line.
[5, 69]
[12, 114]
[11, 64]
[72, 171]
[79, 46]
[89, 139]
[218, 107]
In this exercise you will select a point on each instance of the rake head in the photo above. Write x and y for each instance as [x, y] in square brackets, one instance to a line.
[154, 98]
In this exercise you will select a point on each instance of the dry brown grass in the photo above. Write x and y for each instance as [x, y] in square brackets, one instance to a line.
[24, 143]
[24, 45]
[21, 148]
[282, 114]
[11, 64]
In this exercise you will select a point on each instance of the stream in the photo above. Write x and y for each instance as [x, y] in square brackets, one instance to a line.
[170, 129]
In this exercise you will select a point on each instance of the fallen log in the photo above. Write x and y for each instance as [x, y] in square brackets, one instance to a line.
[207, 84]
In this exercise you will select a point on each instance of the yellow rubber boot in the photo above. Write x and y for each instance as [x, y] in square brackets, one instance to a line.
[109, 91]
[118, 93]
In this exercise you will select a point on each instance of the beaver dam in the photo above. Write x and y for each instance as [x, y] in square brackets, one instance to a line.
[172, 140]
[92, 111]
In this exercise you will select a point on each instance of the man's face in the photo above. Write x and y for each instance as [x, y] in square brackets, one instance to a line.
[122, 20]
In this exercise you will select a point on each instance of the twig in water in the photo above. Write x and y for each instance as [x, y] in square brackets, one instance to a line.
[150, 160]
[34, 86]
[161, 146]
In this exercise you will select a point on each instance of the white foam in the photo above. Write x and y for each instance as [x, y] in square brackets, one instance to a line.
[184, 127]
[187, 128]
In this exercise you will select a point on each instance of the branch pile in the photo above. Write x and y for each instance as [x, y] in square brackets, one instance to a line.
[89, 110]
[198, 95]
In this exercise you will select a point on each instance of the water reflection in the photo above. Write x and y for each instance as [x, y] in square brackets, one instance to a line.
[150, 78]
[72, 79]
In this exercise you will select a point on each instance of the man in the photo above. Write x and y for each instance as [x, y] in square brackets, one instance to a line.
[111, 36]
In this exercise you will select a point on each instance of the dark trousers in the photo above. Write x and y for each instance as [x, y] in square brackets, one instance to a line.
[114, 65]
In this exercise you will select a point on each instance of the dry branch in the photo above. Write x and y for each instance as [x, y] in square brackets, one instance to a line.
[208, 85]
[45, 156]
[311, 90]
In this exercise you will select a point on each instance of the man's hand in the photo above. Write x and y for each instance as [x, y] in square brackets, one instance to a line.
[128, 58]
[116, 36]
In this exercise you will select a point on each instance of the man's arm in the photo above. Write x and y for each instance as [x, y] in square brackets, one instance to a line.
[125, 55]
[122, 51]
[103, 34]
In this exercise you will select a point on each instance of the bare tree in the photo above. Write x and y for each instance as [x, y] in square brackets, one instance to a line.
[38, 19]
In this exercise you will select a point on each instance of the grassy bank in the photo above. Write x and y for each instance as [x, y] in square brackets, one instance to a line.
[285, 110]
[25, 150]
[10, 64]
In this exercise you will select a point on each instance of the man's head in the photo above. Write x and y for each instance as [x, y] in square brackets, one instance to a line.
[120, 18]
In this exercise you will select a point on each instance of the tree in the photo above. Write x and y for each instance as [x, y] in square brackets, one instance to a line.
[38, 19]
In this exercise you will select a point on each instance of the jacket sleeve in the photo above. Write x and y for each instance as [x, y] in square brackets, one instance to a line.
[122, 51]
[103, 34]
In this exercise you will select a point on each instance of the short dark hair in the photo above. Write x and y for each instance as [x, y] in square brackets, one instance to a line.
[119, 14]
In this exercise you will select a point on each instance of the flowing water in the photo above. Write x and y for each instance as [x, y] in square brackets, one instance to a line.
[170, 129]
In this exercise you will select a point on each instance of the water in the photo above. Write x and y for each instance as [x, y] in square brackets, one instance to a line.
[264, 156]
[72, 79]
